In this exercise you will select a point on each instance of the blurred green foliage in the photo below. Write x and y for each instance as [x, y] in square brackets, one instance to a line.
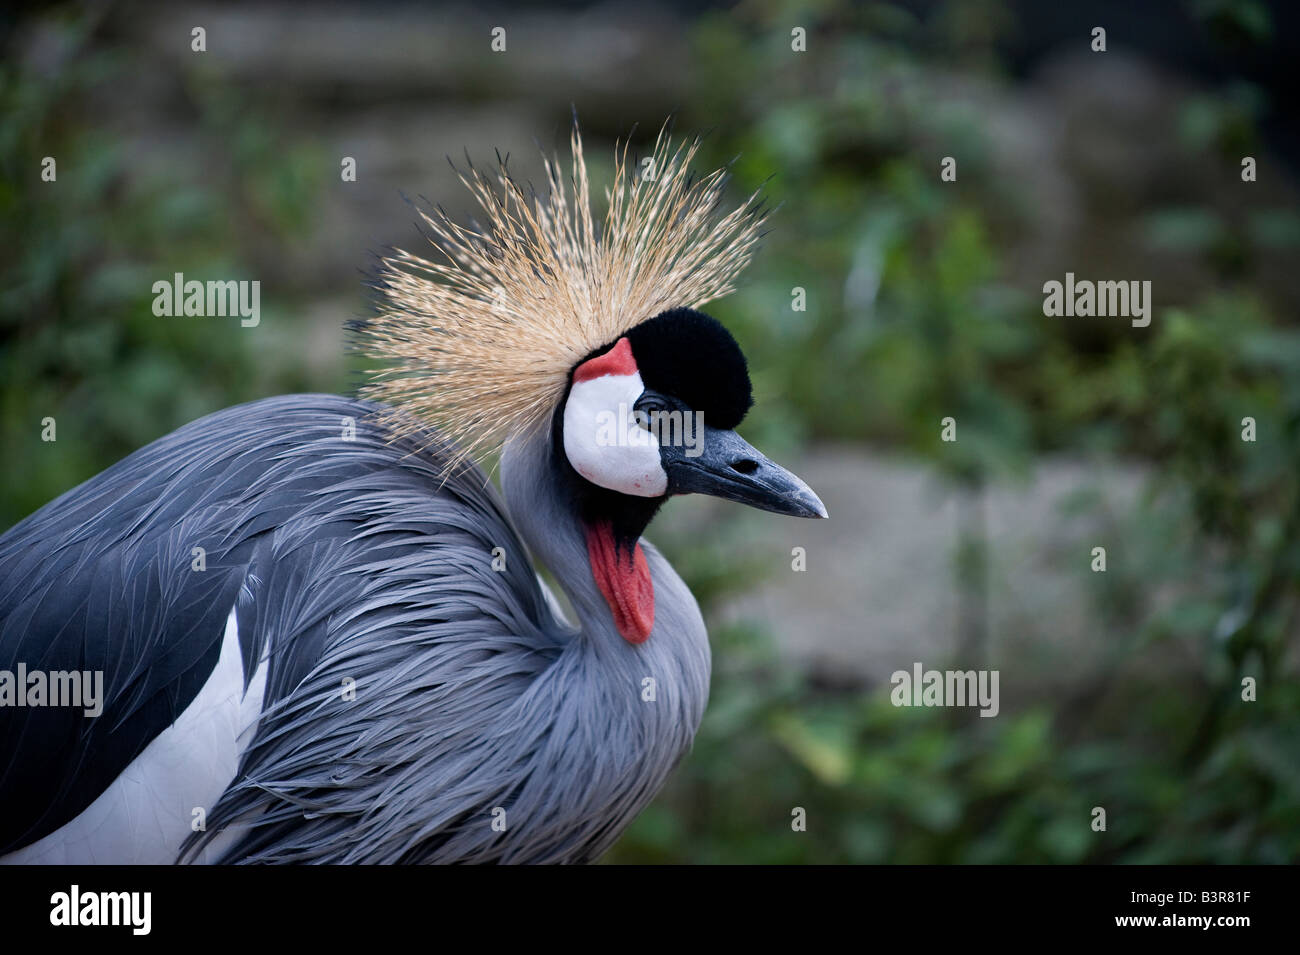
[880, 784]
[910, 317]
[78, 258]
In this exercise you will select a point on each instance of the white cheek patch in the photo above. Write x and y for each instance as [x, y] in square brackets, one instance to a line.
[603, 441]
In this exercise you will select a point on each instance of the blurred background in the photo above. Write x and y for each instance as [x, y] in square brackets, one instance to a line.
[1119, 689]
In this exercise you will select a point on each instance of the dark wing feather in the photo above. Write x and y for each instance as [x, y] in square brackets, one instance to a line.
[101, 579]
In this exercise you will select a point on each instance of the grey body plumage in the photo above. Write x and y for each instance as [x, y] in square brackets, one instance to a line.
[470, 697]
[353, 560]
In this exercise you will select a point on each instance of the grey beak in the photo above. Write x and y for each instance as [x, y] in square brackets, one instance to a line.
[729, 467]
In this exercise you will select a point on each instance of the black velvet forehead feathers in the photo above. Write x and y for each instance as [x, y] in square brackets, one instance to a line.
[691, 356]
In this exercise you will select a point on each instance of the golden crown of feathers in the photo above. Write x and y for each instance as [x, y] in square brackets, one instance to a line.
[480, 345]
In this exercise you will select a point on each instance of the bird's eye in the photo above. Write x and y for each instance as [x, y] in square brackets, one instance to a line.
[648, 405]
[652, 401]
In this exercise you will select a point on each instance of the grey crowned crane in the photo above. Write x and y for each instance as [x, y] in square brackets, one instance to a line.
[362, 665]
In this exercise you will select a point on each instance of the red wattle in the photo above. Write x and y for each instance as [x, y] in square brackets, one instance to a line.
[624, 579]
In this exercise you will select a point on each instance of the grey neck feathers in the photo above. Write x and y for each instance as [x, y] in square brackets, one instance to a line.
[677, 653]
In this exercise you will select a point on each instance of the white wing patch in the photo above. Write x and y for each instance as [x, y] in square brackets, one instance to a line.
[147, 812]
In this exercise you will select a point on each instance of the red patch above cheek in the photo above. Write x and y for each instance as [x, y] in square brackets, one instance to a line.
[617, 361]
[623, 577]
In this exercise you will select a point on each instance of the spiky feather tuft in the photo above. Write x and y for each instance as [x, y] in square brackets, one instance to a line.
[480, 345]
